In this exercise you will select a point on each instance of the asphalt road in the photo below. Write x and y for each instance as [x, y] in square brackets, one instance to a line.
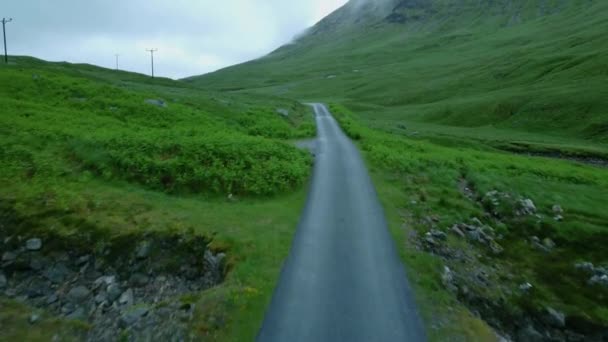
[343, 280]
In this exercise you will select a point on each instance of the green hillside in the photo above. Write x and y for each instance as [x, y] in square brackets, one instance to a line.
[532, 66]
[466, 112]
[94, 160]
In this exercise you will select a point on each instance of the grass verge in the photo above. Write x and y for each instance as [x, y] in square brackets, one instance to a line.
[419, 183]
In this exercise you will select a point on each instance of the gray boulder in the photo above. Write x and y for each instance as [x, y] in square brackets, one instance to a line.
[437, 234]
[585, 266]
[156, 102]
[57, 273]
[34, 244]
[52, 299]
[139, 280]
[548, 243]
[447, 279]
[529, 334]
[78, 294]
[101, 298]
[526, 207]
[457, 231]
[83, 260]
[78, 314]
[113, 292]
[104, 281]
[143, 250]
[9, 257]
[34, 318]
[126, 298]
[3, 280]
[526, 287]
[133, 316]
[284, 112]
[554, 318]
[601, 280]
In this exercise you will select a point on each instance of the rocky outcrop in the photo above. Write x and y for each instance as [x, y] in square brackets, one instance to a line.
[130, 287]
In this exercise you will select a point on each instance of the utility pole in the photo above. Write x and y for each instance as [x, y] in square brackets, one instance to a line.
[4, 22]
[117, 55]
[152, 51]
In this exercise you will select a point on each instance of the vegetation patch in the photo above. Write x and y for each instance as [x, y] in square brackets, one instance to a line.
[220, 164]
[517, 240]
[95, 162]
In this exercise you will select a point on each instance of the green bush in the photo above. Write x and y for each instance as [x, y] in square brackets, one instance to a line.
[192, 145]
[224, 163]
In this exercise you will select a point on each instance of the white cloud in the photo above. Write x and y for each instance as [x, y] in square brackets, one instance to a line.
[193, 36]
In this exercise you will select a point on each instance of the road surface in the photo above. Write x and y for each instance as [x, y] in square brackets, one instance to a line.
[343, 280]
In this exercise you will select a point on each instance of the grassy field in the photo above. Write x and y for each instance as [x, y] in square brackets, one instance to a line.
[418, 179]
[84, 147]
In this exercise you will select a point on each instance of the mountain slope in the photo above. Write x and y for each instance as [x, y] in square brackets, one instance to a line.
[523, 65]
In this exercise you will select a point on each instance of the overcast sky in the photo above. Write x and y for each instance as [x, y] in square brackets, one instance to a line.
[192, 36]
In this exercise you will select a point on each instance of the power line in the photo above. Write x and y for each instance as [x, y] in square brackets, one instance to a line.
[152, 51]
[4, 22]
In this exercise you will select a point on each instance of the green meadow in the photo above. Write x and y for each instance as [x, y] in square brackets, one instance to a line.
[85, 148]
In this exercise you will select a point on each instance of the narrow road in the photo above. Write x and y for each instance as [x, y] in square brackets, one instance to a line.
[343, 280]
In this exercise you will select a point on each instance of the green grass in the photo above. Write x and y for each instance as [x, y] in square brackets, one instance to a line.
[81, 151]
[14, 320]
[463, 67]
[417, 179]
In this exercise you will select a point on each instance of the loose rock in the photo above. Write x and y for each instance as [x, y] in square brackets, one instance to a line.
[529, 334]
[156, 102]
[3, 280]
[104, 280]
[34, 318]
[139, 280]
[78, 314]
[78, 294]
[57, 273]
[447, 278]
[126, 298]
[585, 266]
[101, 298]
[284, 112]
[525, 287]
[457, 231]
[555, 318]
[8, 257]
[113, 292]
[131, 317]
[599, 280]
[83, 260]
[34, 244]
[526, 207]
[438, 234]
[143, 250]
[52, 299]
[548, 243]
